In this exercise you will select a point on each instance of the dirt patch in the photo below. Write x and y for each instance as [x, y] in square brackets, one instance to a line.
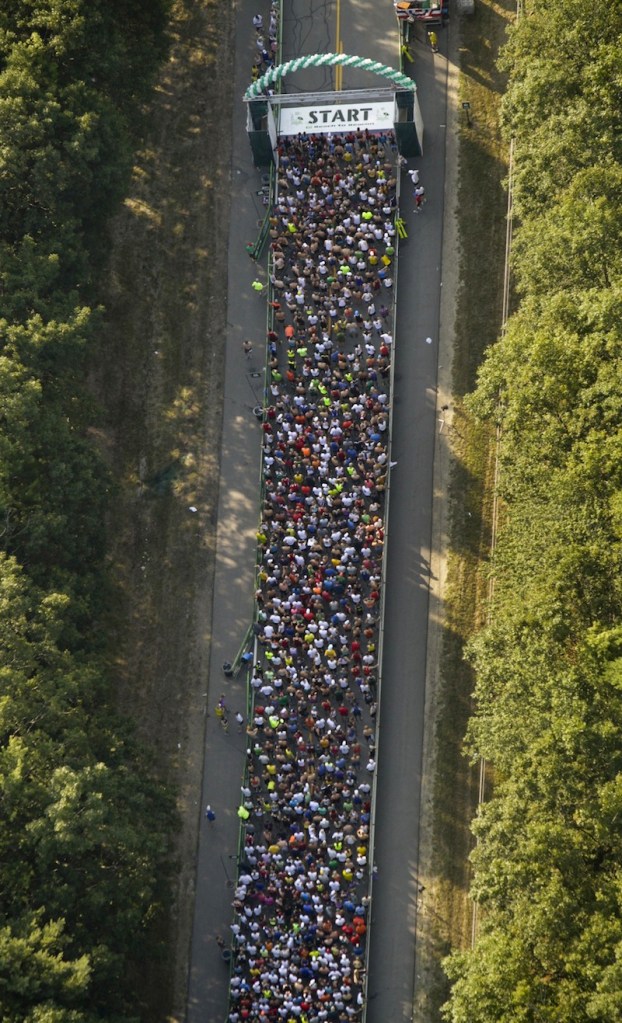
[160, 380]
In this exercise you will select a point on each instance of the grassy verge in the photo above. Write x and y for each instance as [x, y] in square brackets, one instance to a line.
[160, 383]
[481, 224]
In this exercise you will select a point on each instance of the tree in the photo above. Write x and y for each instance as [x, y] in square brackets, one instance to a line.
[548, 668]
[35, 969]
[577, 244]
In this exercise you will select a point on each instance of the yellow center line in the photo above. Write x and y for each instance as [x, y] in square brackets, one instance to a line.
[338, 49]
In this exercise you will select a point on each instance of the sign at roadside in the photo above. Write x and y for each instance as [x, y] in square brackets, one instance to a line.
[336, 117]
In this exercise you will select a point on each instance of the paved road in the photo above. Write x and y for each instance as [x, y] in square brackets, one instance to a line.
[238, 516]
[368, 31]
[415, 422]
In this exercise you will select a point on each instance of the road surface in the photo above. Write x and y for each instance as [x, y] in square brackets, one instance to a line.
[365, 30]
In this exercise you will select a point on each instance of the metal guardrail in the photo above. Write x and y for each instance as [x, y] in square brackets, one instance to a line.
[383, 586]
[231, 669]
[254, 250]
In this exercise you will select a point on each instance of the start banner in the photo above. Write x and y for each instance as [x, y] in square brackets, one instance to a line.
[339, 118]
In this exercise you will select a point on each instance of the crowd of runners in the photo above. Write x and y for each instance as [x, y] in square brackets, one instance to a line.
[302, 896]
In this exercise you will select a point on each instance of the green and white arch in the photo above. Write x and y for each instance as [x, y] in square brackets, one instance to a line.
[271, 112]
[276, 74]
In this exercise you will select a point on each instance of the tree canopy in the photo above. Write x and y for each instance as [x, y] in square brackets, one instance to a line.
[84, 827]
[548, 697]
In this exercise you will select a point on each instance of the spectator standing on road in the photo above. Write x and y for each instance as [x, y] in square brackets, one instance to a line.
[221, 713]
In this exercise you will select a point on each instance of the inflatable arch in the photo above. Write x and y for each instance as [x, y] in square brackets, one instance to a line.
[275, 74]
